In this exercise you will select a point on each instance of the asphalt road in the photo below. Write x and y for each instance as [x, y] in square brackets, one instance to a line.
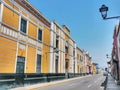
[86, 83]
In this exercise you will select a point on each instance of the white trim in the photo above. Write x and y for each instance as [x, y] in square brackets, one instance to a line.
[27, 27]
[36, 54]
[8, 6]
[41, 63]
[26, 58]
[55, 36]
[36, 60]
[20, 14]
[39, 12]
[1, 10]
[53, 62]
[16, 36]
[17, 47]
[16, 58]
[59, 60]
[51, 49]
[19, 23]
[30, 15]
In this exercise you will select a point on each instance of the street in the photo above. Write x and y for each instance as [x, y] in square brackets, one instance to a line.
[86, 83]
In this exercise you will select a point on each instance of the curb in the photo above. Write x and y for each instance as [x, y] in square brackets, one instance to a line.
[36, 86]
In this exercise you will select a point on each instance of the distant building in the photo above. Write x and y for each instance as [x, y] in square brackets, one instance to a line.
[80, 60]
[70, 52]
[115, 59]
[94, 68]
[88, 63]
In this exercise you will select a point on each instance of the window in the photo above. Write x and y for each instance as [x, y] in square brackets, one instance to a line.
[78, 56]
[66, 44]
[40, 35]
[73, 52]
[38, 67]
[57, 43]
[66, 50]
[23, 26]
[56, 64]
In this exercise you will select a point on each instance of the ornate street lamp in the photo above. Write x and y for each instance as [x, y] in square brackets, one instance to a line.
[103, 10]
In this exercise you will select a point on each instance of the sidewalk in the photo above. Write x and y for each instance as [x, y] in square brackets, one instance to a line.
[111, 85]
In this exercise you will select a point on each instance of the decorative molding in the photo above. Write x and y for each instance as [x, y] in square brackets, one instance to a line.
[21, 46]
[34, 12]
[19, 37]
[1, 10]
[39, 23]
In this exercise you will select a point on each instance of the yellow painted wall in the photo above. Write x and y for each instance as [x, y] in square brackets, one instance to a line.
[24, 14]
[13, 6]
[32, 30]
[31, 60]
[7, 55]
[66, 31]
[46, 49]
[10, 17]
[33, 20]
[46, 36]
[94, 69]
[22, 52]
[45, 59]
[57, 30]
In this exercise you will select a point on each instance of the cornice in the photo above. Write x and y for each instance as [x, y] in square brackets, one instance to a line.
[34, 11]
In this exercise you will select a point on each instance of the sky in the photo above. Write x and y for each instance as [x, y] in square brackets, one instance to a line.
[86, 25]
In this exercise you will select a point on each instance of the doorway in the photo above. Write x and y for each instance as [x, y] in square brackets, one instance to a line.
[56, 64]
[20, 64]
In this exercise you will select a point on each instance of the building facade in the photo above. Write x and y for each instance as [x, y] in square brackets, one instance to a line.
[30, 43]
[70, 52]
[115, 57]
[57, 58]
[94, 68]
[88, 63]
[64, 59]
[24, 42]
[80, 60]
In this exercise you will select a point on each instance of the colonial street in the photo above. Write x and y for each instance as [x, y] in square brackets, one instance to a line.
[86, 83]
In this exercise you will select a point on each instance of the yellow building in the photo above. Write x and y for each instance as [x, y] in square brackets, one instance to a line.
[94, 71]
[70, 52]
[80, 60]
[88, 63]
[30, 43]
[24, 38]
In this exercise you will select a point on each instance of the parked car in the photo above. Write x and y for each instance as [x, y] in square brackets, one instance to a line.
[105, 73]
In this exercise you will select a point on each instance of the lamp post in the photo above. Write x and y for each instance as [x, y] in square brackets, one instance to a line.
[108, 62]
[103, 10]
